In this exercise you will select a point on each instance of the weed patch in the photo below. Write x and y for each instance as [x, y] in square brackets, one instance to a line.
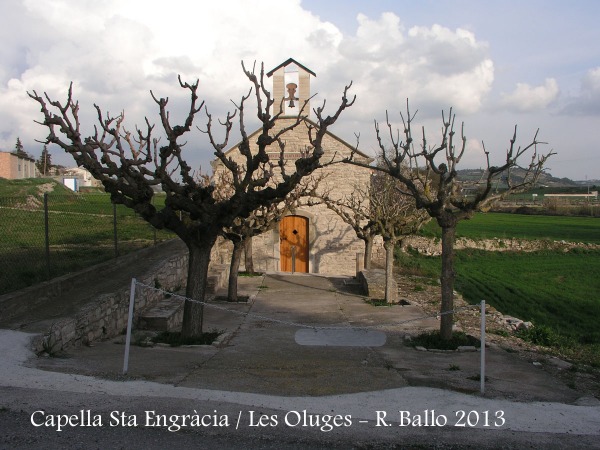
[174, 339]
[541, 335]
[477, 378]
[382, 302]
[250, 274]
[433, 340]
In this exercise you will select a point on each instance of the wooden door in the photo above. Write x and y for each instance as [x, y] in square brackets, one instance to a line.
[293, 234]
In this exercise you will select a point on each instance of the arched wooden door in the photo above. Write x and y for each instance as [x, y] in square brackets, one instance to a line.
[293, 234]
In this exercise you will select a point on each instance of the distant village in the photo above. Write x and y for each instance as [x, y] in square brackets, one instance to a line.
[19, 164]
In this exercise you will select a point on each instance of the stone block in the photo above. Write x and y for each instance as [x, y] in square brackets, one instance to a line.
[373, 284]
[165, 316]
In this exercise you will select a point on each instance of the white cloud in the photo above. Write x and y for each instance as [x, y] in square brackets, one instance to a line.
[591, 82]
[115, 52]
[433, 67]
[527, 98]
[588, 100]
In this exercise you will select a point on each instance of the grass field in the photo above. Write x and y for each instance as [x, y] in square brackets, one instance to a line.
[81, 231]
[505, 226]
[551, 288]
[555, 289]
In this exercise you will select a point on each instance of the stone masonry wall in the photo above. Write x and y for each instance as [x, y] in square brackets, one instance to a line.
[333, 245]
[106, 316]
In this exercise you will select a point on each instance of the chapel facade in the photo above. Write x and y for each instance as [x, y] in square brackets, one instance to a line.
[310, 239]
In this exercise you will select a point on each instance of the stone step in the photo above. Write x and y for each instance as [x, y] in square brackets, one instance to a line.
[218, 276]
[167, 315]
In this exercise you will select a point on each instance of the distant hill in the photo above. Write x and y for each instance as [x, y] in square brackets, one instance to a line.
[545, 179]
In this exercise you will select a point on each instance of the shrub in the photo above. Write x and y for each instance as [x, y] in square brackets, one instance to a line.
[540, 335]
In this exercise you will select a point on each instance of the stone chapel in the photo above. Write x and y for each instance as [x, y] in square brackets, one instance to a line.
[315, 237]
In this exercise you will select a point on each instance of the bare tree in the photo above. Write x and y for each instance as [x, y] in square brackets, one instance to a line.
[248, 256]
[354, 210]
[432, 181]
[378, 209]
[129, 166]
[394, 216]
[259, 221]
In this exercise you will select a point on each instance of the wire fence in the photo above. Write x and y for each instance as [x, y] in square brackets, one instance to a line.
[42, 237]
[252, 315]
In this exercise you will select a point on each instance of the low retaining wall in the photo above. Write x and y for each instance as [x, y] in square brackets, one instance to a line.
[373, 282]
[106, 316]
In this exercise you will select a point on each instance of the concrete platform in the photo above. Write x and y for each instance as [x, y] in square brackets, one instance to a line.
[261, 354]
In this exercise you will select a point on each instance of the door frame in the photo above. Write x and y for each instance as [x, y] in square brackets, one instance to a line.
[310, 239]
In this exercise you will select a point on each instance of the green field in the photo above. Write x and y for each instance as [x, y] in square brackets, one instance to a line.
[505, 226]
[80, 231]
[555, 289]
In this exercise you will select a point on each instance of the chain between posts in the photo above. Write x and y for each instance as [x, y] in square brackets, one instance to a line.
[302, 325]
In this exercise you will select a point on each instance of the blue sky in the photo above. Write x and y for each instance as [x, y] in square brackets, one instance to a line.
[497, 63]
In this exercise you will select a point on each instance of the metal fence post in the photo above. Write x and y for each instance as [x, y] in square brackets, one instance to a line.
[47, 235]
[115, 230]
[129, 325]
[482, 375]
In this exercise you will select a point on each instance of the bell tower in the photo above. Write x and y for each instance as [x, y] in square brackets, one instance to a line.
[291, 88]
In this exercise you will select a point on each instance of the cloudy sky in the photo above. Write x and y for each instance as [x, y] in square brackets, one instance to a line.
[497, 63]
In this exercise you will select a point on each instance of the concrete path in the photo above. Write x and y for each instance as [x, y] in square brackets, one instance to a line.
[382, 392]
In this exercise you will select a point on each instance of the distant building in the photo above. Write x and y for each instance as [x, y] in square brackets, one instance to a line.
[78, 177]
[593, 194]
[15, 167]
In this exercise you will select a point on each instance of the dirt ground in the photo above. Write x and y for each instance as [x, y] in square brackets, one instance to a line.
[580, 377]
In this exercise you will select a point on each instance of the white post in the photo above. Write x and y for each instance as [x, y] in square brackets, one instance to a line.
[482, 347]
[359, 263]
[129, 322]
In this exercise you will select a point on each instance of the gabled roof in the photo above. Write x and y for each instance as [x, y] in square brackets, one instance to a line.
[307, 120]
[287, 63]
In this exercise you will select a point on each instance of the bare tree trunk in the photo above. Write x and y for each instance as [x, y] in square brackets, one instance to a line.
[389, 269]
[447, 281]
[368, 252]
[248, 261]
[199, 259]
[236, 256]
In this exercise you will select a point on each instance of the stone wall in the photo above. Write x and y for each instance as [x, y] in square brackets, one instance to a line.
[433, 246]
[105, 316]
[332, 243]
[373, 284]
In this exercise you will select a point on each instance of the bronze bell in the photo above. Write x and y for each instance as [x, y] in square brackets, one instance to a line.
[291, 88]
